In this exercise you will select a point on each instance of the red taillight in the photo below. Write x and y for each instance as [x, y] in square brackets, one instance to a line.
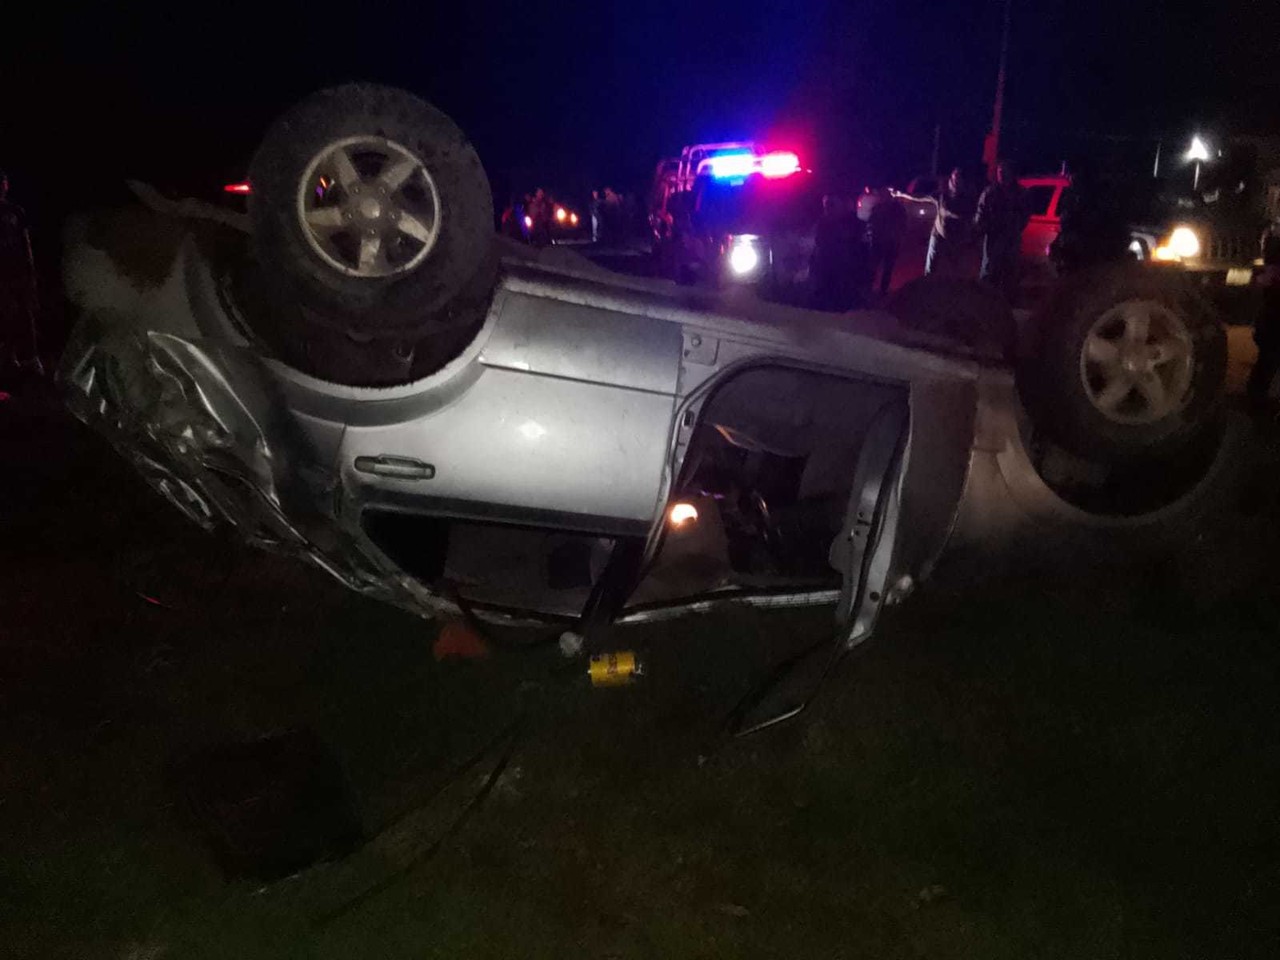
[241, 188]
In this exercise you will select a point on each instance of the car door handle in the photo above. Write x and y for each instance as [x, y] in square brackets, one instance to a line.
[399, 468]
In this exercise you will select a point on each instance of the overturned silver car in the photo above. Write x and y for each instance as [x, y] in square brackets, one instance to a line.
[357, 374]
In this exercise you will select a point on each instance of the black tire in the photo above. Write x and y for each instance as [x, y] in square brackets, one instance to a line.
[414, 314]
[1066, 393]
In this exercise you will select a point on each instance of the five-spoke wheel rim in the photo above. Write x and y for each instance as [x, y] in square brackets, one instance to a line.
[1136, 362]
[369, 207]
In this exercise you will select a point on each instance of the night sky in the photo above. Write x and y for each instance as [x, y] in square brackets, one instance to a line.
[573, 94]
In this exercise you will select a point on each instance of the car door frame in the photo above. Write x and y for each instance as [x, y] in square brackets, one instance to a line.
[1046, 226]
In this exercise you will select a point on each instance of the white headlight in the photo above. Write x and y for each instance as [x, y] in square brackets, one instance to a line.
[743, 257]
[1184, 243]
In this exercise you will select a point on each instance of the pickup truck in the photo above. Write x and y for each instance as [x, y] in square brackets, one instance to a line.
[1216, 251]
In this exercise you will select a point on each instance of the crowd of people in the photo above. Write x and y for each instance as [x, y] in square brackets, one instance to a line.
[612, 216]
[528, 218]
[532, 218]
[993, 219]
[856, 247]
[857, 244]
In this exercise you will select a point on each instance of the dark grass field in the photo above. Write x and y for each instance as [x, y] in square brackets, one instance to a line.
[1083, 769]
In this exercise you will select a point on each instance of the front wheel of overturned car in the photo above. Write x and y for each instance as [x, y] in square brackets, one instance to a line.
[373, 230]
[1129, 364]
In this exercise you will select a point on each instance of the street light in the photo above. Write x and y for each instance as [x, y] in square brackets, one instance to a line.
[1199, 152]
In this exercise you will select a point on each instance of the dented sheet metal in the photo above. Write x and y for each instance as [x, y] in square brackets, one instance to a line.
[201, 419]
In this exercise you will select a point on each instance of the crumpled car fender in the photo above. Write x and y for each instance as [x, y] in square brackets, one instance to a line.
[198, 412]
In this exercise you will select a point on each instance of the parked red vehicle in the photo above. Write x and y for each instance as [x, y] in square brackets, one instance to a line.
[1044, 198]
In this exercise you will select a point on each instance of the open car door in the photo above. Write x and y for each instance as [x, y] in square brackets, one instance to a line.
[863, 552]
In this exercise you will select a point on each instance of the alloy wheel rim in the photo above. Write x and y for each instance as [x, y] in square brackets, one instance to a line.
[369, 207]
[1136, 362]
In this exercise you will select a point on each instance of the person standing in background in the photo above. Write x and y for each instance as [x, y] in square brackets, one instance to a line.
[513, 220]
[1266, 329]
[1002, 216]
[610, 215]
[951, 227]
[1094, 220]
[17, 286]
[595, 216]
[886, 227]
[539, 214]
[838, 266]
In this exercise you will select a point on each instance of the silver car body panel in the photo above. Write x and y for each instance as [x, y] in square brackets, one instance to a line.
[575, 437]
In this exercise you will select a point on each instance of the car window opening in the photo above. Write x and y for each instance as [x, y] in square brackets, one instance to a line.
[769, 472]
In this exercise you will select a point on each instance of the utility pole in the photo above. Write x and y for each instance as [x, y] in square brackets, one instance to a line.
[991, 151]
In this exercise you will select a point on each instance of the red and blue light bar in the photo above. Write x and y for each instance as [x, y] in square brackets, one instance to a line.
[742, 164]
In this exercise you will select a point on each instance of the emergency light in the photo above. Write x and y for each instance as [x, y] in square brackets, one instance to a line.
[739, 166]
[781, 163]
[732, 166]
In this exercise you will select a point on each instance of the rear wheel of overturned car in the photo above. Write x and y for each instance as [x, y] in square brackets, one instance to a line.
[373, 230]
[1129, 364]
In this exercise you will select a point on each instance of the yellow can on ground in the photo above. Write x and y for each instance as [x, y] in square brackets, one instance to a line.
[614, 669]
